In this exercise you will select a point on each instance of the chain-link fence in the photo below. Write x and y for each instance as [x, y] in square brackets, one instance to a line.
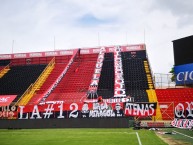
[164, 80]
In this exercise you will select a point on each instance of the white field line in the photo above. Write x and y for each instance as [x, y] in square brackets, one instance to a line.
[112, 132]
[138, 138]
[129, 132]
[183, 134]
[121, 133]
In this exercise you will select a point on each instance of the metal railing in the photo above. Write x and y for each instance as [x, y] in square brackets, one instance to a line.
[164, 80]
[4, 70]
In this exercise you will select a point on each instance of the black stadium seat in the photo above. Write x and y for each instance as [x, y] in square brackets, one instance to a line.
[106, 82]
[19, 78]
[134, 75]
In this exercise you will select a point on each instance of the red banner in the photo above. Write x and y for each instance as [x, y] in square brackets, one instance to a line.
[135, 47]
[5, 100]
[8, 112]
[78, 110]
[37, 54]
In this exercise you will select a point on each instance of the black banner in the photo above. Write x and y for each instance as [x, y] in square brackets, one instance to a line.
[140, 109]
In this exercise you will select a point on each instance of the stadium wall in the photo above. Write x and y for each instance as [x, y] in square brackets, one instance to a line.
[67, 123]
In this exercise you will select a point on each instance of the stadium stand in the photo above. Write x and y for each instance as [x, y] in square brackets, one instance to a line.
[1, 67]
[60, 64]
[75, 83]
[73, 87]
[4, 63]
[18, 79]
[169, 97]
[148, 74]
[58, 68]
[106, 82]
[4, 70]
[36, 85]
[135, 75]
[4, 67]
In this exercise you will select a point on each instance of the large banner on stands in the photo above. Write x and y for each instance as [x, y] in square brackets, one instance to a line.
[119, 86]
[78, 110]
[183, 115]
[74, 110]
[92, 90]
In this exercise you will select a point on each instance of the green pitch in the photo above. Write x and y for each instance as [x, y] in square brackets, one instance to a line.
[79, 137]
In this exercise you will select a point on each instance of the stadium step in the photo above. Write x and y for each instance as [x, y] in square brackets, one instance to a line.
[153, 98]
[148, 74]
[36, 86]
[4, 70]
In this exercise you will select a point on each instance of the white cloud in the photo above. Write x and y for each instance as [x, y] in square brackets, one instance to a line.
[33, 24]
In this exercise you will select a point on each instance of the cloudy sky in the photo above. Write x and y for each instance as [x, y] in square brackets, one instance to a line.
[33, 25]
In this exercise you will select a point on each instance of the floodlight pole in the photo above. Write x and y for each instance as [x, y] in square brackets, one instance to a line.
[12, 46]
[98, 39]
[126, 38]
[54, 43]
[144, 35]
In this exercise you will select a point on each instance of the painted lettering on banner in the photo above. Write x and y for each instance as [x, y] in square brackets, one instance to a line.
[78, 110]
[119, 85]
[51, 53]
[74, 110]
[184, 74]
[182, 123]
[6, 56]
[136, 47]
[96, 110]
[37, 54]
[92, 90]
[66, 52]
[20, 55]
[42, 111]
[101, 110]
[85, 51]
[8, 112]
[140, 109]
[184, 110]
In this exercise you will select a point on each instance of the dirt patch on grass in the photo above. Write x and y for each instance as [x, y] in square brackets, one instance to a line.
[171, 141]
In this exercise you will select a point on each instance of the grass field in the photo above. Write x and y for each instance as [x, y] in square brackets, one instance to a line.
[92, 137]
[181, 135]
[79, 137]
